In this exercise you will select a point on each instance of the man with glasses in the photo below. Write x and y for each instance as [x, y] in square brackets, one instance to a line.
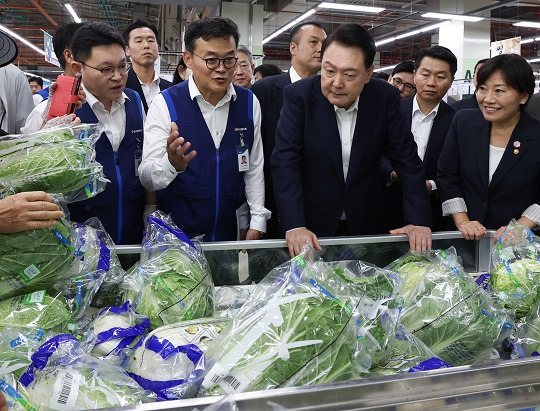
[196, 134]
[243, 73]
[429, 118]
[403, 78]
[98, 53]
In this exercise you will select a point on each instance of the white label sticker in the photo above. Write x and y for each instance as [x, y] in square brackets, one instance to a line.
[35, 298]
[234, 382]
[65, 391]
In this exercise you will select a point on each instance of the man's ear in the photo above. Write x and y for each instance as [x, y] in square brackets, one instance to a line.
[68, 56]
[187, 59]
[76, 67]
[293, 48]
[127, 51]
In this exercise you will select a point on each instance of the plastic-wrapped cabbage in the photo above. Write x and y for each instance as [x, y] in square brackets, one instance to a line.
[61, 377]
[34, 259]
[303, 324]
[173, 283]
[411, 268]
[16, 400]
[448, 312]
[16, 346]
[527, 336]
[515, 269]
[116, 328]
[36, 310]
[171, 359]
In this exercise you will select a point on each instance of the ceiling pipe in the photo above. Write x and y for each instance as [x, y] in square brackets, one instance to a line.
[42, 10]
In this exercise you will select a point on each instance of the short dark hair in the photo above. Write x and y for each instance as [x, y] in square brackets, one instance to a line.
[353, 35]
[406, 66]
[243, 49]
[62, 40]
[267, 70]
[437, 52]
[92, 35]
[137, 24]
[293, 34]
[478, 63]
[515, 70]
[176, 76]
[38, 80]
[210, 28]
[381, 75]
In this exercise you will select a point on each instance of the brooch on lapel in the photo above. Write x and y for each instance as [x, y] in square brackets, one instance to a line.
[517, 144]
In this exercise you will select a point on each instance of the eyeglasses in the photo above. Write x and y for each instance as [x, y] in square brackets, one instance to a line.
[398, 83]
[109, 71]
[213, 62]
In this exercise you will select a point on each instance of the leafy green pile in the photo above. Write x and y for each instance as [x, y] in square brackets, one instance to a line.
[34, 311]
[13, 143]
[16, 346]
[33, 260]
[411, 269]
[169, 288]
[528, 335]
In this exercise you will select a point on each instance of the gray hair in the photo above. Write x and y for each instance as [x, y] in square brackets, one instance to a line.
[243, 49]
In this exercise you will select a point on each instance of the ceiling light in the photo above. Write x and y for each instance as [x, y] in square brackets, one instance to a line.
[15, 35]
[408, 34]
[435, 26]
[532, 24]
[388, 40]
[412, 33]
[525, 41]
[73, 14]
[289, 25]
[534, 61]
[385, 68]
[452, 17]
[349, 7]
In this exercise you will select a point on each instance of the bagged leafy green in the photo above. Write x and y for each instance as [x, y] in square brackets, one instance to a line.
[171, 360]
[34, 259]
[173, 282]
[16, 400]
[515, 269]
[448, 312]
[306, 322]
[37, 310]
[526, 339]
[16, 346]
[411, 268]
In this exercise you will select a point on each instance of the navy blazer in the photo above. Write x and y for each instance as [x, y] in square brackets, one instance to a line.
[269, 92]
[134, 84]
[437, 136]
[307, 166]
[466, 103]
[463, 169]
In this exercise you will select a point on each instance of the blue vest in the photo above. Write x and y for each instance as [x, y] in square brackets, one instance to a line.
[44, 93]
[203, 199]
[120, 207]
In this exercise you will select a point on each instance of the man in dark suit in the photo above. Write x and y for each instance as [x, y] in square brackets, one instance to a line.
[470, 102]
[141, 38]
[305, 47]
[429, 118]
[331, 135]
[533, 106]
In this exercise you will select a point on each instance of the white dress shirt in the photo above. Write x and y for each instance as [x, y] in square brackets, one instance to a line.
[421, 125]
[35, 119]
[156, 172]
[294, 75]
[150, 91]
[114, 121]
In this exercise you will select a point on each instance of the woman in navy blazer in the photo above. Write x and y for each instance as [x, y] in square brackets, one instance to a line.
[489, 169]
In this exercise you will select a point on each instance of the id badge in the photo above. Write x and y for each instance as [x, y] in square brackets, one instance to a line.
[138, 158]
[243, 158]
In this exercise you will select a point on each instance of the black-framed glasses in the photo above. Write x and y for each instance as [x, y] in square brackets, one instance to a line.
[109, 71]
[213, 62]
[398, 83]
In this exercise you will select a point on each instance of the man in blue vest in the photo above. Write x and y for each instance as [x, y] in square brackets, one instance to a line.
[196, 134]
[98, 52]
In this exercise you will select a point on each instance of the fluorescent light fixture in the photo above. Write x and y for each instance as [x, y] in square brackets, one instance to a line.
[35, 75]
[384, 41]
[534, 60]
[289, 25]
[349, 7]
[385, 68]
[15, 35]
[408, 34]
[528, 41]
[411, 33]
[444, 16]
[435, 26]
[531, 24]
[73, 14]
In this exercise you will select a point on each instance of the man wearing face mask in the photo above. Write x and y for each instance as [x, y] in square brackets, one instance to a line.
[141, 38]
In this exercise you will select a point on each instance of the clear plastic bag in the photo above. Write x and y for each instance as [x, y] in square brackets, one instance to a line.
[526, 339]
[515, 269]
[173, 283]
[16, 346]
[17, 400]
[170, 361]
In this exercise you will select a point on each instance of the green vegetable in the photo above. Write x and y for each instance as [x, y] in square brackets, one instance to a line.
[16, 346]
[33, 260]
[171, 287]
[42, 137]
[528, 335]
[34, 311]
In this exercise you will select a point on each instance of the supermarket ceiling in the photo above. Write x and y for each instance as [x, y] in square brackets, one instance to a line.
[29, 17]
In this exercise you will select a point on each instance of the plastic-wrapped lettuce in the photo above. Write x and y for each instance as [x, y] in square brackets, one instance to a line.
[37, 310]
[16, 400]
[411, 268]
[173, 282]
[34, 259]
[62, 377]
[170, 361]
[306, 322]
[116, 328]
[455, 318]
[515, 269]
[526, 339]
[16, 346]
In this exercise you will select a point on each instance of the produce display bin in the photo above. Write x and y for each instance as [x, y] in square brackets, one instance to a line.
[498, 384]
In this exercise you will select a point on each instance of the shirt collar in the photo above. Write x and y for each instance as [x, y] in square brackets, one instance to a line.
[416, 108]
[354, 106]
[93, 101]
[155, 79]
[194, 91]
[294, 75]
